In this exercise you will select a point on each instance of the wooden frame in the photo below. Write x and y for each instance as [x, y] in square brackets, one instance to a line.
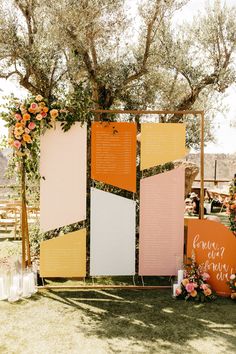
[201, 216]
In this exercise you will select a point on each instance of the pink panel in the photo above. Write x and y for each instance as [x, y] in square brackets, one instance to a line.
[161, 223]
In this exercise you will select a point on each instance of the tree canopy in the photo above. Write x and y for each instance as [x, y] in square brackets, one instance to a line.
[129, 57]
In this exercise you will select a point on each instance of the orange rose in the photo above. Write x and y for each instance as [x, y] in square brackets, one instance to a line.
[193, 293]
[27, 138]
[207, 292]
[18, 125]
[45, 109]
[54, 114]
[26, 116]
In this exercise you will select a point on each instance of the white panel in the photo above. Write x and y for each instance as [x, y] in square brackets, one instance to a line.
[112, 234]
[63, 165]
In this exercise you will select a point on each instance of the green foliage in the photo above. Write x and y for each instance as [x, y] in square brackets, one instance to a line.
[231, 208]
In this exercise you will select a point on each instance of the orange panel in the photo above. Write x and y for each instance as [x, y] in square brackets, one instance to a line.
[113, 159]
[214, 245]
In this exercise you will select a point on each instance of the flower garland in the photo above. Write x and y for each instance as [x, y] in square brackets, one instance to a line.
[195, 285]
[27, 119]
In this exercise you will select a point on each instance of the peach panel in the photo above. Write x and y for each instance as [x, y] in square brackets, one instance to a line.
[114, 154]
[63, 165]
[215, 246]
[161, 238]
[161, 143]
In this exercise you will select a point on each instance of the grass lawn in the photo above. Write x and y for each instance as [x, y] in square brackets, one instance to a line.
[116, 321]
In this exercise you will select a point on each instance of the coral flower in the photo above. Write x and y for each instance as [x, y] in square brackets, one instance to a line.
[17, 144]
[18, 116]
[190, 287]
[27, 138]
[26, 116]
[43, 114]
[38, 98]
[185, 281]
[31, 125]
[45, 109]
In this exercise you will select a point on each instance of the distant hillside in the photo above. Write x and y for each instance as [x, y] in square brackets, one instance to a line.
[226, 165]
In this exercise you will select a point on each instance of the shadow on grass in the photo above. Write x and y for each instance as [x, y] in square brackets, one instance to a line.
[150, 316]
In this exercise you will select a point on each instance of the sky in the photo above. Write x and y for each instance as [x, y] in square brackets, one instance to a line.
[225, 123]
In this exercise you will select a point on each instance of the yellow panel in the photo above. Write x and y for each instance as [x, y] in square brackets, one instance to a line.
[161, 143]
[64, 256]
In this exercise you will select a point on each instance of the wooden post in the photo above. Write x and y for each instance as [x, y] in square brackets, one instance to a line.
[215, 182]
[201, 216]
[22, 170]
[24, 220]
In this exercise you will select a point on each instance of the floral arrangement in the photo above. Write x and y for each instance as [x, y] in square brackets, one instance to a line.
[27, 119]
[232, 285]
[195, 285]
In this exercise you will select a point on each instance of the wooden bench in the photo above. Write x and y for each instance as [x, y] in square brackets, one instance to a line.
[5, 223]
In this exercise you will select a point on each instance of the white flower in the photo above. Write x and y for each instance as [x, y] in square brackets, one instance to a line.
[232, 277]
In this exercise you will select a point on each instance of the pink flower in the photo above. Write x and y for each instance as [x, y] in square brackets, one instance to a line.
[178, 291]
[17, 144]
[195, 285]
[43, 114]
[18, 116]
[32, 125]
[205, 276]
[34, 105]
[190, 287]
[27, 131]
[204, 286]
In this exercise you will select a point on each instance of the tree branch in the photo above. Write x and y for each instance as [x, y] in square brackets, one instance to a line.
[149, 40]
